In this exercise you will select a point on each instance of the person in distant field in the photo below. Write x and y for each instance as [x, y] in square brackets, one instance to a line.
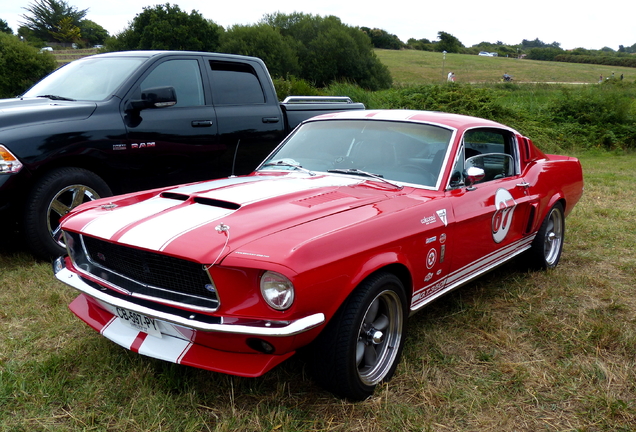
[621, 77]
[507, 77]
[451, 77]
[600, 79]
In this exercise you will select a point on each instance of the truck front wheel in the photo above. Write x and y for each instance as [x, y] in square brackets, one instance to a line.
[53, 196]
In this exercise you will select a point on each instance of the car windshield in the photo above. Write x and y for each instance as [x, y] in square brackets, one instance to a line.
[397, 151]
[90, 79]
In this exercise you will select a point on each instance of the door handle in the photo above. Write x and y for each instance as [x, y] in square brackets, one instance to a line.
[202, 123]
[271, 119]
[523, 185]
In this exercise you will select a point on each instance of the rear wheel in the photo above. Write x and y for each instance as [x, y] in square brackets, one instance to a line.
[362, 344]
[548, 244]
[53, 196]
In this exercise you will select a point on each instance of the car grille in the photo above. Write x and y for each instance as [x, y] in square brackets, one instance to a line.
[150, 274]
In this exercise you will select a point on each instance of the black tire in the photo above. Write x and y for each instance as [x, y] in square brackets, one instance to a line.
[53, 196]
[548, 244]
[361, 346]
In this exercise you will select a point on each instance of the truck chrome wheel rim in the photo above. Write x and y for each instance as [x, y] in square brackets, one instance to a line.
[379, 337]
[65, 201]
[553, 237]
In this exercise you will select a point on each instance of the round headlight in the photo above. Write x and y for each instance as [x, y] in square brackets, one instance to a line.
[277, 290]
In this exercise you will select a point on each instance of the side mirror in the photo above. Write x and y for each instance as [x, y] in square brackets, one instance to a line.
[473, 175]
[156, 97]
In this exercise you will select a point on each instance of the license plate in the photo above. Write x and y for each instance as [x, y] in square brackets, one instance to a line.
[139, 322]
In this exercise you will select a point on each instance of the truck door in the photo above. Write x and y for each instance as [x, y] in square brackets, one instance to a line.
[249, 117]
[173, 144]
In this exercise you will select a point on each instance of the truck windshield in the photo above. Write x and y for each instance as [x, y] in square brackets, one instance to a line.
[90, 79]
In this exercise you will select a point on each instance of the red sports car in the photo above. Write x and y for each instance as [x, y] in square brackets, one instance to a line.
[354, 222]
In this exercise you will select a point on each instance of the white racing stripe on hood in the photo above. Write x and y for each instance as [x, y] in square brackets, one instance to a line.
[158, 232]
[214, 184]
[252, 192]
[106, 225]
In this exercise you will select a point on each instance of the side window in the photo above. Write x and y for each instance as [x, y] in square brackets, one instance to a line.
[184, 76]
[491, 150]
[235, 84]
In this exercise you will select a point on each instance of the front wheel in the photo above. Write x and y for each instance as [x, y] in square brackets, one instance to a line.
[548, 244]
[53, 196]
[362, 344]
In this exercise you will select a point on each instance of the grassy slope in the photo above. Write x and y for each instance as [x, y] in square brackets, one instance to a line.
[412, 67]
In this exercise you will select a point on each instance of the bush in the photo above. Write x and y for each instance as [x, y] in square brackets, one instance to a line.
[452, 98]
[167, 27]
[277, 51]
[293, 86]
[329, 50]
[21, 65]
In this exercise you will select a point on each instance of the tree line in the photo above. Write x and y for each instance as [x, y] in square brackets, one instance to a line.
[317, 50]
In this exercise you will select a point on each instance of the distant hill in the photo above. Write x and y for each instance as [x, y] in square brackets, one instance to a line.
[425, 67]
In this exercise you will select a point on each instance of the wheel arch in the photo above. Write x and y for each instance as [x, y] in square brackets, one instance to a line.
[377, 265]
[90, 164]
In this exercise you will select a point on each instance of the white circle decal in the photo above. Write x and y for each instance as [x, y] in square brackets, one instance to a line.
[501, 221]
[431, 258]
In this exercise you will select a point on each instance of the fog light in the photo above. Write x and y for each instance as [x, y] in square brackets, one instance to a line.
[260, 345]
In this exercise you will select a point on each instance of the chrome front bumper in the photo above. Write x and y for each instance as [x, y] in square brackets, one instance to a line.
[262, 328]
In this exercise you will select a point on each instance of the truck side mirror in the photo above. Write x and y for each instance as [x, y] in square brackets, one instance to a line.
[156, 97]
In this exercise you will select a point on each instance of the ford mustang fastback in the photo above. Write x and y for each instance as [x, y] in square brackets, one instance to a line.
[354, 222]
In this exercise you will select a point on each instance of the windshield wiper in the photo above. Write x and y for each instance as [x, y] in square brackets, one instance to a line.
[356, 171]
[56, 97]
[289, 164]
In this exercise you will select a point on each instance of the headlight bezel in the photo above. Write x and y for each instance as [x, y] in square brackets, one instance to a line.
[9, 163]
[277, 290]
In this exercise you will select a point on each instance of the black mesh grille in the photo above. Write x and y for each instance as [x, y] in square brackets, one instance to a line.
[172, 276]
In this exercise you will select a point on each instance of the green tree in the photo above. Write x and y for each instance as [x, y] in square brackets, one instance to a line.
[277, 51]
[67, 32]
[167, 27]
[21, 65]
[329, 50]
[4, 27]
[382, 39]
[420, 44]
[93, 33]
[44, 18]
[448, 42]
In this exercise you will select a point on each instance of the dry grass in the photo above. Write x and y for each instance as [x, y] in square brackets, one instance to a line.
[514, 351]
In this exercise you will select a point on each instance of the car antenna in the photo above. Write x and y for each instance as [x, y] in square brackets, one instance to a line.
[234, 160]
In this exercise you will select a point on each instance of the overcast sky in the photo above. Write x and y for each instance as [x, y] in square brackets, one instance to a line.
[591, 25]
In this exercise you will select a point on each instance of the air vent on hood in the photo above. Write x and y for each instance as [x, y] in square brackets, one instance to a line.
[321, 199]
[172, 195]
[202, 200]
[217, 203]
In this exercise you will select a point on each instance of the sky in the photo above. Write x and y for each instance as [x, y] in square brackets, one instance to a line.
[573, 24]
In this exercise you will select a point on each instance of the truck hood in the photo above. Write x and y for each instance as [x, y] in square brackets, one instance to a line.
[203, 220]
[24, 112]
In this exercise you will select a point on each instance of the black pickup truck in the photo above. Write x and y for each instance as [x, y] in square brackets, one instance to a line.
[126, 121]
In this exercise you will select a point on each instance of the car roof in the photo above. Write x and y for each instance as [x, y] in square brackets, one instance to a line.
[163, 53]
[456, 121]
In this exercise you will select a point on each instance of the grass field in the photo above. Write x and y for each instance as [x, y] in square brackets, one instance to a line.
[513, 351]
[416, 67]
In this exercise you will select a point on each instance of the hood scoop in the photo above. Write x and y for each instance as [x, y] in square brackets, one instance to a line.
[202, 200]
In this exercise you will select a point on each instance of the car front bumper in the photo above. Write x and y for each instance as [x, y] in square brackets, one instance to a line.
[225, 344]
